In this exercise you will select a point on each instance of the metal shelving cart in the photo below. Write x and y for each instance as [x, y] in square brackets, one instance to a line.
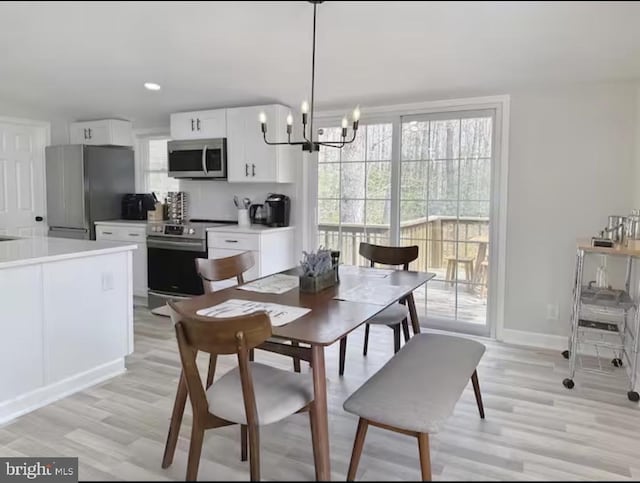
[606, 320]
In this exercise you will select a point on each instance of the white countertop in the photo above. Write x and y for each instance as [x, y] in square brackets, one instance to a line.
[253, 229]
[29, 251]
[122, 223]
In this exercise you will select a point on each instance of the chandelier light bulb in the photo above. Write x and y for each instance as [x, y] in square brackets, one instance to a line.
[356, 114]
[289, 120]
[345, 123]
[305, 107]
[263, 118]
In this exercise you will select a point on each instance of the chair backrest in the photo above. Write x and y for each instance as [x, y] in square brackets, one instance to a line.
[389, 255]
[234, 335]
[215, 270]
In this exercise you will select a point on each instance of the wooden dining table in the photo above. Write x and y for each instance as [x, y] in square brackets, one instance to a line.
[329, 320]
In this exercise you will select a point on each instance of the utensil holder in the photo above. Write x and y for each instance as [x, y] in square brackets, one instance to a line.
[243, 218]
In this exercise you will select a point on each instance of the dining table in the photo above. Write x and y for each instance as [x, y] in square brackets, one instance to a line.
[334, 313]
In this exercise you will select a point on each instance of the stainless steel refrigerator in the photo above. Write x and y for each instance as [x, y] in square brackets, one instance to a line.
[85, 184]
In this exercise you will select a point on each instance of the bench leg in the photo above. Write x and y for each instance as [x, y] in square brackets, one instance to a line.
[476, 390]
[358, 444]
[243, 442]
[343, 354]
[296, 361]
[425, 458]
[366, 339]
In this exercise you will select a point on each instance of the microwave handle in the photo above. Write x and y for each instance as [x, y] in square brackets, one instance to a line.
[204, 160]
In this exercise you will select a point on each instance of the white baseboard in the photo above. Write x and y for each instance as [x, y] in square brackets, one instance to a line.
[46, 395]
[534, 339]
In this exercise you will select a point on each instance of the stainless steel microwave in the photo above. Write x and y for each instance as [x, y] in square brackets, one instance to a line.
[201, 158]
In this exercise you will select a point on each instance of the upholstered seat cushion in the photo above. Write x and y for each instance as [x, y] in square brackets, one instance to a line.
[417, 389]
[392, 315]
[278, 394]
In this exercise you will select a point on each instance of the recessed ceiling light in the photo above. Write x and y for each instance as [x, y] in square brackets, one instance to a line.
[152, 86]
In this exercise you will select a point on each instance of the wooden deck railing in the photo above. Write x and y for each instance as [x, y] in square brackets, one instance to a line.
[436, 236]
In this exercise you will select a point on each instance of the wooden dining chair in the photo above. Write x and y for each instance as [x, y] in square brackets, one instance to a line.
[394, 316]
[251, 395]
[218, 269]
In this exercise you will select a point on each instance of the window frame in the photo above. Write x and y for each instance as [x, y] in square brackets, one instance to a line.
[142, 158]
[499, 184]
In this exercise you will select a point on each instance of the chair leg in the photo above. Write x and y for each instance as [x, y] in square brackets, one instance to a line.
[243, 442]
[254, 452]
[405, 330]
[358, 444]
[252, 355]
[425, 458]
[396, 338]
[476, 390]
[195, 449]
[212, 369]
[343, 354]
[296, 361]
[366, 339]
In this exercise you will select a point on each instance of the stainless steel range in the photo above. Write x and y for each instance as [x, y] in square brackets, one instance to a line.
[172, 250]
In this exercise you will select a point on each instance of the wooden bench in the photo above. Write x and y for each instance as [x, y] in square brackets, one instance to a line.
[416, 391]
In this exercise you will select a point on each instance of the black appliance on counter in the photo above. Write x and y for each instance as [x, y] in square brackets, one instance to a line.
[136, 205]
[256, 214]
[277, 210]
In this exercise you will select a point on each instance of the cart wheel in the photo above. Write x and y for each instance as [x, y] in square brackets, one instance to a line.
[617, 362]
[565, 354]
[633, 396]
[568, 383]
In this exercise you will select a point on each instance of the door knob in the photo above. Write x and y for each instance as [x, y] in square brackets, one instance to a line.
[39, 218]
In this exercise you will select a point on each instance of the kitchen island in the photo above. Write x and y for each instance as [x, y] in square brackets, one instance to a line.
[66, 318]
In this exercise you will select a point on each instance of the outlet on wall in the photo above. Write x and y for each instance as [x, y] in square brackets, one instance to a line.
[107, 281]
[553, 312]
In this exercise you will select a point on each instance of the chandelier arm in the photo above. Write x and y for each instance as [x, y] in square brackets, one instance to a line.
[342, 143]
[292, 143]
[313, 73]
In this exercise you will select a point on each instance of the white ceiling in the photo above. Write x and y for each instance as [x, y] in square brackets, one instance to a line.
[87, 60]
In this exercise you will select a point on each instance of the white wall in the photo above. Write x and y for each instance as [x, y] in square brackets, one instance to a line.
[59, 124]
[571, 164]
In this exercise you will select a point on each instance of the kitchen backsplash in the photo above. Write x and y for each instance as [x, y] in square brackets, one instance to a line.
[214, 199]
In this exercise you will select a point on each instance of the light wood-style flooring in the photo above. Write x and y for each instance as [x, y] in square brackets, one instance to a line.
[535, 428]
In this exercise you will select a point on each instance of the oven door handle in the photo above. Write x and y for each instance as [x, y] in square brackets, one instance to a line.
[195, 246]
[204, 159]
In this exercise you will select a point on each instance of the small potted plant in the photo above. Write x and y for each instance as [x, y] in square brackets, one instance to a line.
[318, 271]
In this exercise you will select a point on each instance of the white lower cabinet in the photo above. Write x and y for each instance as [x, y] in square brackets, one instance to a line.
[129, 232]
[273, 249]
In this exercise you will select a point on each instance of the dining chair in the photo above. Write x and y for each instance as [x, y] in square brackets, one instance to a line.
[218, 269]
[251, 394]
[394, 316]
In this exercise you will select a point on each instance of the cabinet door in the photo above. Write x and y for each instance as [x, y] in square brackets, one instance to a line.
[78, 133]
[212, 124]
[250, 159]
[98, 134]
[183, 126]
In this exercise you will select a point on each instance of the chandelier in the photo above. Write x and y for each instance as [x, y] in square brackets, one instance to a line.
[308, 144]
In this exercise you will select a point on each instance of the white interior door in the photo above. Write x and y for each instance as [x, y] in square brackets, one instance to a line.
[22, 187]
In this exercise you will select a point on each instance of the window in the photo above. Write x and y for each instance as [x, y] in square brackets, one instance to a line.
[154, 168]
[354, 191]
[421, 180]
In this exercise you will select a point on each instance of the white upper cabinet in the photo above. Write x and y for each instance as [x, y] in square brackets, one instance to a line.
[249, 158]
[199, 124]
[106, 132]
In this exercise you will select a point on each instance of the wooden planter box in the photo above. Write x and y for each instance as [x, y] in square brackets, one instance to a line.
[316, 284]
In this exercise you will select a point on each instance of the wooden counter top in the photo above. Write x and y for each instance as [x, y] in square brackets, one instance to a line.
[631, 250]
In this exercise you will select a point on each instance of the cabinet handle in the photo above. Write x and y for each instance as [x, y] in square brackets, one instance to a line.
[198, 124]
[134, 234]
[231, 241]
[89, 133]
[246, 170]
[85, 133]
[254, 170]
[192, 125]
[107, 233]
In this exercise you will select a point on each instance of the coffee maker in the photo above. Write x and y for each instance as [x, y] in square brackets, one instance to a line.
[277, 210]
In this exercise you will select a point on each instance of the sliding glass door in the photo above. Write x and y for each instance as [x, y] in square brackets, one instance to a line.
[418, 180]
